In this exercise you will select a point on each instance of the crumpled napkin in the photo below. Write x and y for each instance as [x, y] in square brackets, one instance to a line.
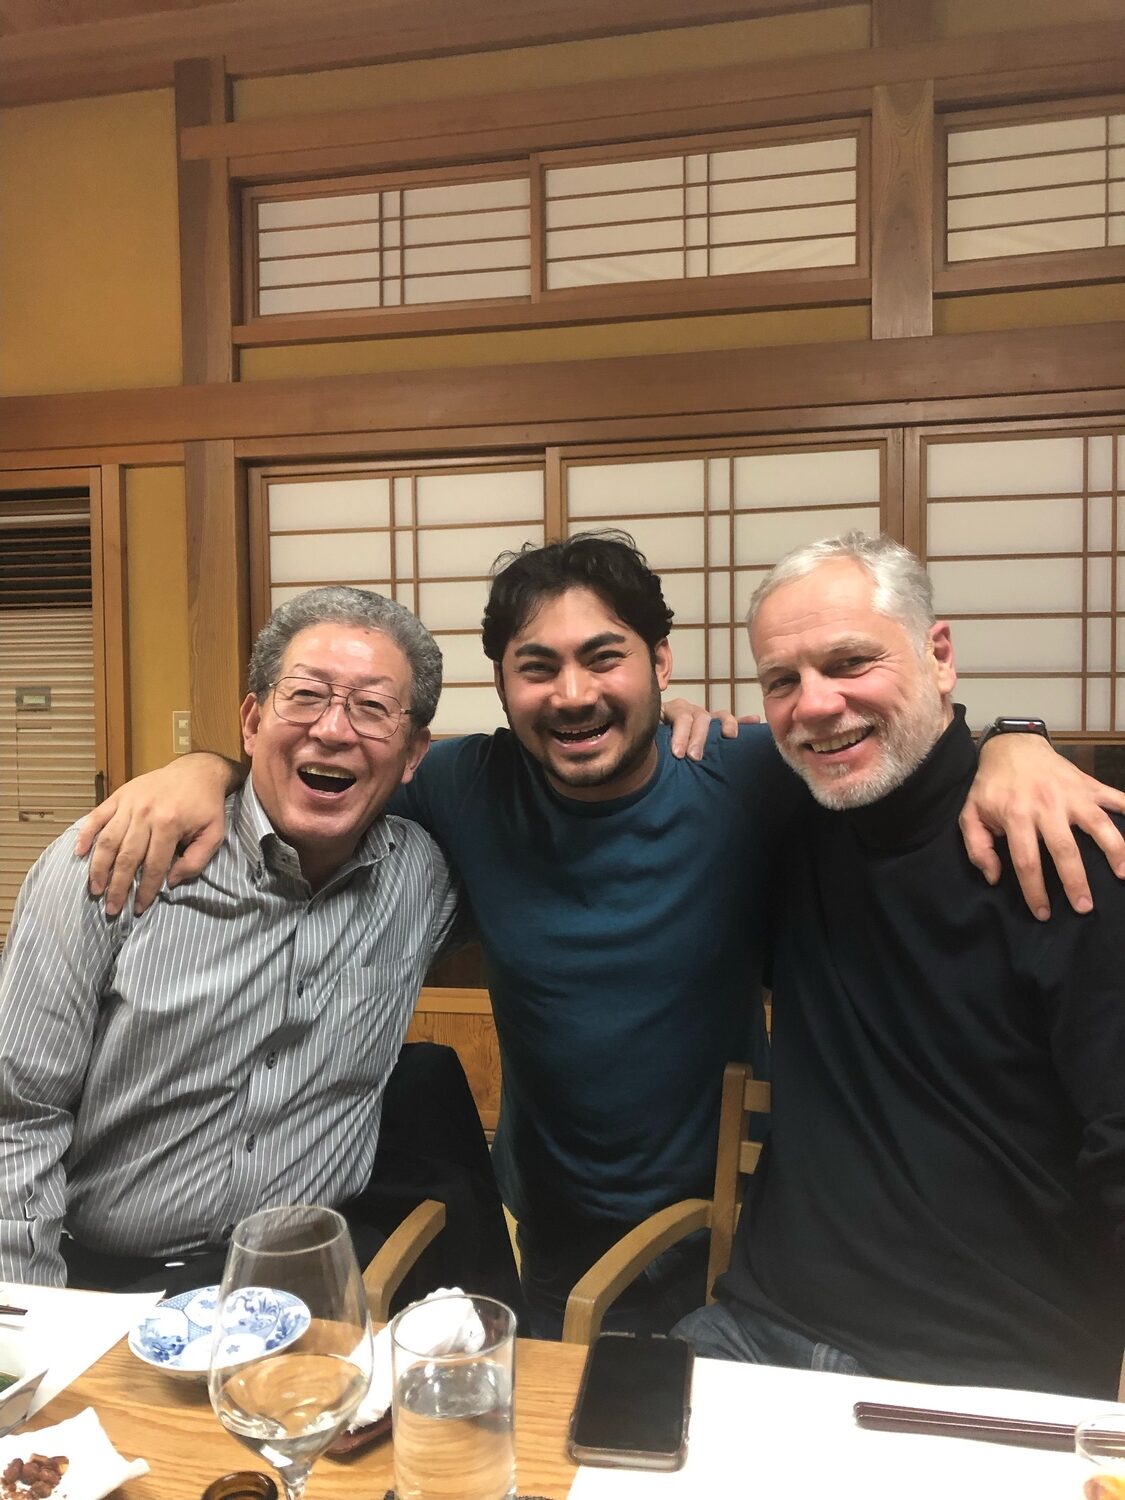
[442, 1322]
[95, 1467]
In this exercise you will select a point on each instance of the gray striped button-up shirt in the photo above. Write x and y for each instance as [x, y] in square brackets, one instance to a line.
[162, 1076]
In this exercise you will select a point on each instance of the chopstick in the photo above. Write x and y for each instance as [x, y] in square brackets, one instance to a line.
[11, 1312]
[1014, 1430]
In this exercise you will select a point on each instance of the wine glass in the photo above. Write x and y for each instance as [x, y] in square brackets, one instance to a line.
[1101, 1440]
[291, 1353]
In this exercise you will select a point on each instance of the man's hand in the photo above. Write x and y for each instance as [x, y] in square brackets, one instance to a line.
[690, 722]
[1027, 792]
[145, 822]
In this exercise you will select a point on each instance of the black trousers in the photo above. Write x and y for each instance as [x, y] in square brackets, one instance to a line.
[431, 1145]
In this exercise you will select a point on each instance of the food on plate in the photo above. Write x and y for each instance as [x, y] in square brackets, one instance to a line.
[7, 1380]
[33, 1477]
[1105, 1487]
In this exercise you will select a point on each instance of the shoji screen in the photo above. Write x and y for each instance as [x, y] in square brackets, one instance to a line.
[712, 524]
[425, 535]
[1024, 544]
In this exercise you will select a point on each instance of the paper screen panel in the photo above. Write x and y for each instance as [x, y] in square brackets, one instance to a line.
[1029, 189]
[597, 491]
[345, 557]
[328, 504]
[440, 243]
[842, 476]
[1030, 580]
[716, 213]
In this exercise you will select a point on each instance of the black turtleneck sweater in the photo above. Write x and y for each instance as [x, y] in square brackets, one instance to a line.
[943, 1195]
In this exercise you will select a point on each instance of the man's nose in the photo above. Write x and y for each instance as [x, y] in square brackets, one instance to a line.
[574, 686]
[334, 725]
[818, 698]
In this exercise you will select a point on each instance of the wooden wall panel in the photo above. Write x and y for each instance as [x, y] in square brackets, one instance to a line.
[218, 594]
[208, 265]
[902, 199]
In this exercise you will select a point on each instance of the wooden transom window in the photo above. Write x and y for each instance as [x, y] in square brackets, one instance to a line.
[784, 200]
[1024, 542]
[776, 207]
[1035, 186]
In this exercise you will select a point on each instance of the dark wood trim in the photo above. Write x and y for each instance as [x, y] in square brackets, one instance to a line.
[896, 23]
[208, 253]
[902, 199]
[991, 68]
[111, 622]
[286, 36]
[540, 399]
[630, 302]
[218, 592]
[1010, 273]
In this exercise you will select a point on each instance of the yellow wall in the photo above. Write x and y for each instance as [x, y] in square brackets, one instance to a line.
[89, 246]
[158, 641]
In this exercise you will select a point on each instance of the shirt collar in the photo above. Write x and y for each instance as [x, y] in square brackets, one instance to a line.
[264, 848]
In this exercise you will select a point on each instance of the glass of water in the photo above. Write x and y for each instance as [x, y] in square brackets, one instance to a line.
[452, 1359]
[291, 1352]
[1101, 1440]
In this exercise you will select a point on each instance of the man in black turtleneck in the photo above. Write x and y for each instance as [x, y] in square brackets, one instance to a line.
[943, 1194]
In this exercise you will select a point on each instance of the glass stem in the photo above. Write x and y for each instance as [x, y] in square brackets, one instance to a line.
[294, 1482]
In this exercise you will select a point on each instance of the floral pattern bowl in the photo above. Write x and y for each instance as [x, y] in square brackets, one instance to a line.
[176, 1334]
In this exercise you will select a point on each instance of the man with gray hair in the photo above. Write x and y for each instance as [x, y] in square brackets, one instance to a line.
[161, 1076]
[942, 1197]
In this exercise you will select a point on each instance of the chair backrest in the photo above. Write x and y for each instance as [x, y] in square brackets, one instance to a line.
[744, 1097]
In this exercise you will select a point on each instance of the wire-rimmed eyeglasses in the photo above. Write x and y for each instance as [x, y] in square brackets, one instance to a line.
[303, 700]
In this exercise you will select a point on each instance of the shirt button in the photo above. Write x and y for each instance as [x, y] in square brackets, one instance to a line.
[250, 1140]
[271, 1059]
[300, 988]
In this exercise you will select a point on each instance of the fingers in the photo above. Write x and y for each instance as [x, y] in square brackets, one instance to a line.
[1023, 850]
[92, 824]
[1108, 837]
[728, 724]
[196, 855]
[749, 718]
[700, 724]
[979, 845]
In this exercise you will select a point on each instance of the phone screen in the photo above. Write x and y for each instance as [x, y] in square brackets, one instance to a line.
[634, 1395]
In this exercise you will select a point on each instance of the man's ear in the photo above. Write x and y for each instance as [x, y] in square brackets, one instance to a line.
[662, 663]
[945, 668]
[420, 742]
[498, 683]
[251, 716]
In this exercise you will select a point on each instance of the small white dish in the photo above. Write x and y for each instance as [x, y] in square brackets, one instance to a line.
[16, 1358]
[176, 1335]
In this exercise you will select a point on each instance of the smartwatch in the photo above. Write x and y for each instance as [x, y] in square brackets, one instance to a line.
[1014, 726]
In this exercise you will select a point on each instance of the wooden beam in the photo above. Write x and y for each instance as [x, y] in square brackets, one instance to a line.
[111, 623]
[283, 36]
[902, 209]
[614, 304]
[895, 23]
[992, 67]
[218, 594]
[527, 398]
[208, 264]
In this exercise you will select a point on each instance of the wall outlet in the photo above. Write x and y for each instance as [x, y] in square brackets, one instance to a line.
[181, 731]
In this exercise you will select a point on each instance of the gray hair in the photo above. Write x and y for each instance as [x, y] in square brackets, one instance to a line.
[903, 590]
[361, 609]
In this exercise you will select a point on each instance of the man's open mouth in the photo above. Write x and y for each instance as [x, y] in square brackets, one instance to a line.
[326, 778]
[587, 735]
[839, 741]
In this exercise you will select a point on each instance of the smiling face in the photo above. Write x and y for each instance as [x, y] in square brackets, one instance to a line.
[322, 784]
[582, 694]
[852, 704]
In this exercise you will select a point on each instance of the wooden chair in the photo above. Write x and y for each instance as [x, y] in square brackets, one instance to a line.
[736, 1159]
[397, 1255]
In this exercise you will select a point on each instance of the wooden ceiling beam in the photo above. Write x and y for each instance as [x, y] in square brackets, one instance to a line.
[961, 367]
[260, 37]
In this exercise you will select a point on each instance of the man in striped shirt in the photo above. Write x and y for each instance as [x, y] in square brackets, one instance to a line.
[162, 1076]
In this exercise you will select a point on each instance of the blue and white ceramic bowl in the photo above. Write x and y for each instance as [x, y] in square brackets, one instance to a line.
[176, 1335]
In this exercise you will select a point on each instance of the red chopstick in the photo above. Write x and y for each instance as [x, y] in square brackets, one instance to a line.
[1017, 1431]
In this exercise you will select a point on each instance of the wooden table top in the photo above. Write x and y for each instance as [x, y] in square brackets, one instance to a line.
[169, 1422]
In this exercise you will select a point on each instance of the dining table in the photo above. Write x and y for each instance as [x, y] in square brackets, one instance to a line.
[168, 1421]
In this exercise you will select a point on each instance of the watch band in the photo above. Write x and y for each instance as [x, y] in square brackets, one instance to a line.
[1014, 726]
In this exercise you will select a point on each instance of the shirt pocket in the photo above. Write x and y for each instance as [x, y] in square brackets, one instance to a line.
[366, 1017]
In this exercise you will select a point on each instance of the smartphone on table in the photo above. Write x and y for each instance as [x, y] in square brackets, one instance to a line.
[633, 1404]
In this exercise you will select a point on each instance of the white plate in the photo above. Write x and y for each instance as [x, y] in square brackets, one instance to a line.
[176, 1335]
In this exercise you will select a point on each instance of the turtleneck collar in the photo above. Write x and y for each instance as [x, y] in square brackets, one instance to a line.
[928, 798]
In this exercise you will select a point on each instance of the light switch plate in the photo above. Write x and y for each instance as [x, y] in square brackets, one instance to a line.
[181, 731]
